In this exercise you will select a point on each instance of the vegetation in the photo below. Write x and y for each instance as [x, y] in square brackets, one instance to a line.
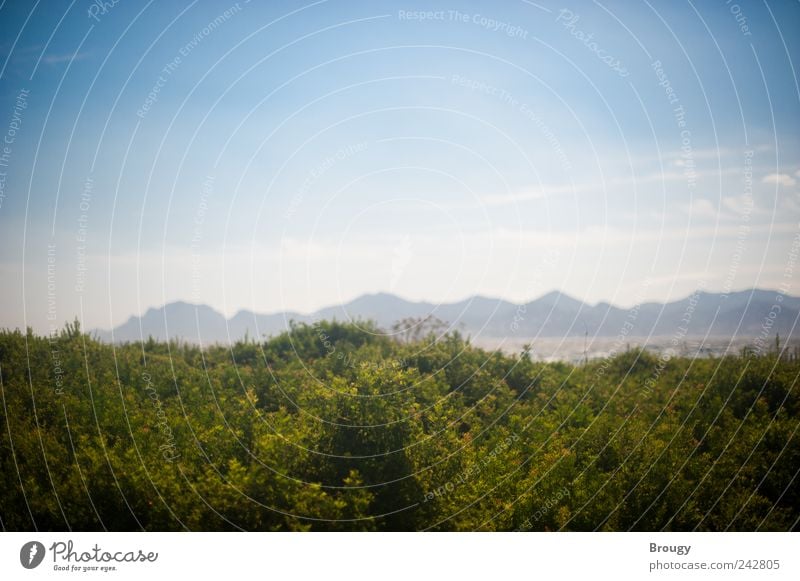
[340, 427]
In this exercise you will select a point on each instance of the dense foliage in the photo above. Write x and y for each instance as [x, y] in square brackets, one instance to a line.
[339, 427]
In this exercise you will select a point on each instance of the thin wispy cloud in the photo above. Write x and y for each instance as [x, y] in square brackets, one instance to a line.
[54, 58]
[781, 179]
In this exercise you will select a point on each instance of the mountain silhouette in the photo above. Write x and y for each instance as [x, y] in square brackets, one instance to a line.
[555, 314]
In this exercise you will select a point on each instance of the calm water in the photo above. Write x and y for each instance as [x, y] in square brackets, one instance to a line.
[572, 348]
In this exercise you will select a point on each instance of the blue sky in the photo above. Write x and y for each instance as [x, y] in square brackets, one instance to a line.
[292, 155]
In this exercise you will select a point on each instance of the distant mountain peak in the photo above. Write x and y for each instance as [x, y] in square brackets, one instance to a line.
[556, 296]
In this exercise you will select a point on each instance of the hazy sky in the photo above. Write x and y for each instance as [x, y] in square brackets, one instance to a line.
[291, 155]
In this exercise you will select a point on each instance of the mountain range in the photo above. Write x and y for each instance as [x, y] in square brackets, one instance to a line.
[739, 314]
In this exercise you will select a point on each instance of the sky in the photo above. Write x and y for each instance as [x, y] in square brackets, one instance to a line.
[293, 155]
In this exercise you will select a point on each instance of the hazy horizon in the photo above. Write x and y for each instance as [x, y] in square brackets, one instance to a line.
[233, 311]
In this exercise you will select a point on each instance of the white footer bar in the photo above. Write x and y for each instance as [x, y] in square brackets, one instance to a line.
[389, 556]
